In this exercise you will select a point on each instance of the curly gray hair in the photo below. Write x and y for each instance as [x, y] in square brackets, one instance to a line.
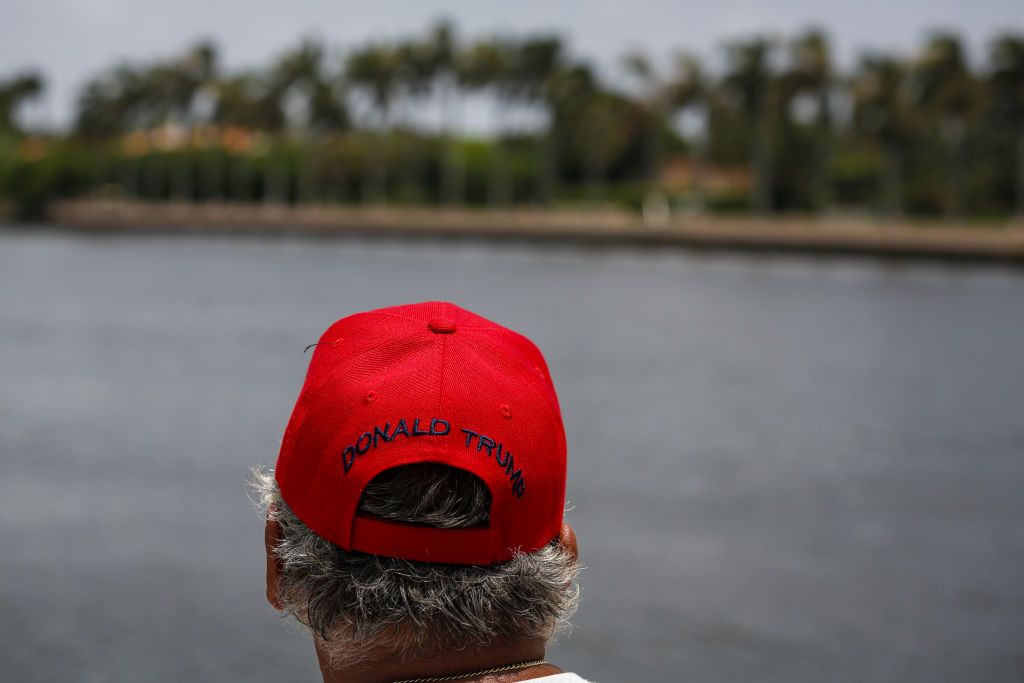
[357, 603]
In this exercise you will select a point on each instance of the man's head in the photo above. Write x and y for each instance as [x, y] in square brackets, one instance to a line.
[416, 506]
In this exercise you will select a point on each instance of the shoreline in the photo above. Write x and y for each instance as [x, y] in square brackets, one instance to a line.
[793, 234]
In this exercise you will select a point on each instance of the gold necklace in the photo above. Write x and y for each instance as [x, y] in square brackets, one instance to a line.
[481, 672]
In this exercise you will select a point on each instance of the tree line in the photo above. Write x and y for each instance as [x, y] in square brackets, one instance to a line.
[774, 125]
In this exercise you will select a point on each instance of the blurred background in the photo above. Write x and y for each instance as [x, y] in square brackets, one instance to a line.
[784, 466]
[779, 107]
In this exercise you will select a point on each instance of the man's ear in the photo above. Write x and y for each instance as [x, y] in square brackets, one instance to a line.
[567, 539]
[271, 539]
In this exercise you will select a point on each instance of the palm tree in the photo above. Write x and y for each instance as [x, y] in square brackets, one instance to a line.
[536, 62]
[111, 103]
[750, 80]
[593, 126]
[602, 135]
[417, 68]
[944, 87]
[688, 90]
[128, 97]
[13, 93]
[195, 76]
[299, 81]
[488, 67]
[311, 102]
[374, 70]
[882, 113]
[442, 54]
[248, 101]
[120, 100]
[245, 100]
[188, 77]
[810, 74]
[656, 97]
[1006, 89]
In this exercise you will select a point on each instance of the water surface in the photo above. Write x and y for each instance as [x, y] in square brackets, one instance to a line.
[781, 469]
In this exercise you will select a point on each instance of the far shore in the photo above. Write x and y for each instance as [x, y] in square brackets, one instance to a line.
[823, 235]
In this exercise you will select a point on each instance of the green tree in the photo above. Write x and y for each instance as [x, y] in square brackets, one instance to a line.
[111, 103]
[593, 126]
[750, 82]
[488, 68]
[443, 53]
[375, 71]
[1006, 92]
[810, 75]
[537, 60]
[312, 104]
[300, 82]
[188, 78]
[689, 91]
[14, 92]
[656, 95]
[130, 97]
[944, 88]
[882, 113]
[245, 100]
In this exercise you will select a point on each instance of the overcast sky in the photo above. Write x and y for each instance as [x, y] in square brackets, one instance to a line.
[70, 40]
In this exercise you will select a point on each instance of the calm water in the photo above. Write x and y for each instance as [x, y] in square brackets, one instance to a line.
[782, 470]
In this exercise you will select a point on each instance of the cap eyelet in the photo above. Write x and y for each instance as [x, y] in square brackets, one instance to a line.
[370, 397]
[506, 411]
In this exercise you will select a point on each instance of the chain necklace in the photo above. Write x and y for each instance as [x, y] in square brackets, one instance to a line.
[481, 672]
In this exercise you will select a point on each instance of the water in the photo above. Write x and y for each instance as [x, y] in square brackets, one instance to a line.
[782, 469]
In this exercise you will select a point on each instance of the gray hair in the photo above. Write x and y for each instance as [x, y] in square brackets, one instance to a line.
[357, 603]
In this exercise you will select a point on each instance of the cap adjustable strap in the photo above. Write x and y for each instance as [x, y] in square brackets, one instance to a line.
[422, 543]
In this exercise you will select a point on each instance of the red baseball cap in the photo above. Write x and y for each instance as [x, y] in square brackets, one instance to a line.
[426, 383]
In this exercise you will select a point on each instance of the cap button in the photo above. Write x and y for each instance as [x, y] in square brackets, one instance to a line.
[441, 325]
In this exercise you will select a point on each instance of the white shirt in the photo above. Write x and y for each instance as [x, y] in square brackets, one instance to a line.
[562, 678]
